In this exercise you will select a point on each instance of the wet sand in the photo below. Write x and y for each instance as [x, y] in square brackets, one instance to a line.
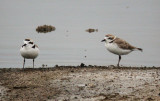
[91, 83]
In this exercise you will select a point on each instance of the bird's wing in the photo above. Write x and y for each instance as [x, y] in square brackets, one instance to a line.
[123, 44]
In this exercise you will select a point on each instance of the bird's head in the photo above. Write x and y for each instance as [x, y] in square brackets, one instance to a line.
[109, 38]
[26, 41]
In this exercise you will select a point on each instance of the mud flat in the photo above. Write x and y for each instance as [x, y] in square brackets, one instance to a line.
[90, 83]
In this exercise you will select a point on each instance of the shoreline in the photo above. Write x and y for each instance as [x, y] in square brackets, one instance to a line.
[83, 66]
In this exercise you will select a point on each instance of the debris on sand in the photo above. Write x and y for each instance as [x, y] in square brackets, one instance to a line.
[45, 29]
[82, 65]
[90, 30]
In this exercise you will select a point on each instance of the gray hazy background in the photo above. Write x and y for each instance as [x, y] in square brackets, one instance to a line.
[136, 21]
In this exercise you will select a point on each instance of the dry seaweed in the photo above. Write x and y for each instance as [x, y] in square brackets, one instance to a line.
[45, 29]
[90, 30]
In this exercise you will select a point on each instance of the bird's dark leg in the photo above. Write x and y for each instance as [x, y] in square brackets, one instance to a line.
[33, 63]
[119, 60]
[23, 63]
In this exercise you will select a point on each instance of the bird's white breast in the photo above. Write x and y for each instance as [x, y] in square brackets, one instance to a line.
[29, 52]
[113, 48]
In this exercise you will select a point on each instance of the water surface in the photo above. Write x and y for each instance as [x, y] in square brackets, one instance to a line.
[135, 21]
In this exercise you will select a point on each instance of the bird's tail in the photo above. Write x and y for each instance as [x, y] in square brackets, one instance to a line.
[140, 49]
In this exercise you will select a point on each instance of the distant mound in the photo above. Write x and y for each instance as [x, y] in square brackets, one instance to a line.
[45, 29]
[90, 30]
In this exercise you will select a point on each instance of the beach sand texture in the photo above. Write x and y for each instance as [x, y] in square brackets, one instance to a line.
[94, 83]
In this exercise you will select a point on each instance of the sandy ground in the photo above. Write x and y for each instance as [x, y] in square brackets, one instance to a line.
[80, 84]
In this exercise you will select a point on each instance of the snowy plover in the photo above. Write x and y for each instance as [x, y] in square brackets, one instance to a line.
[29, 50]
[118, 46]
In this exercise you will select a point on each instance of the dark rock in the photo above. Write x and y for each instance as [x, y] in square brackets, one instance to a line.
[56, 66]
[82, 65]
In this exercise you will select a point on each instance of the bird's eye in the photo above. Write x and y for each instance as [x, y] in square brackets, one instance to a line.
[30, 42]
[110, 38]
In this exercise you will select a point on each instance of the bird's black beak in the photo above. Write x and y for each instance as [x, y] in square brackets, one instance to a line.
[24, 45]
[103, 40]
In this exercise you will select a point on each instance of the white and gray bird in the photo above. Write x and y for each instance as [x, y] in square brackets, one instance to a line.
[118, 46]
[29, 50]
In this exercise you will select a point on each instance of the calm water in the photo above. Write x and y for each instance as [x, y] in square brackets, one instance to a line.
[136, 21]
